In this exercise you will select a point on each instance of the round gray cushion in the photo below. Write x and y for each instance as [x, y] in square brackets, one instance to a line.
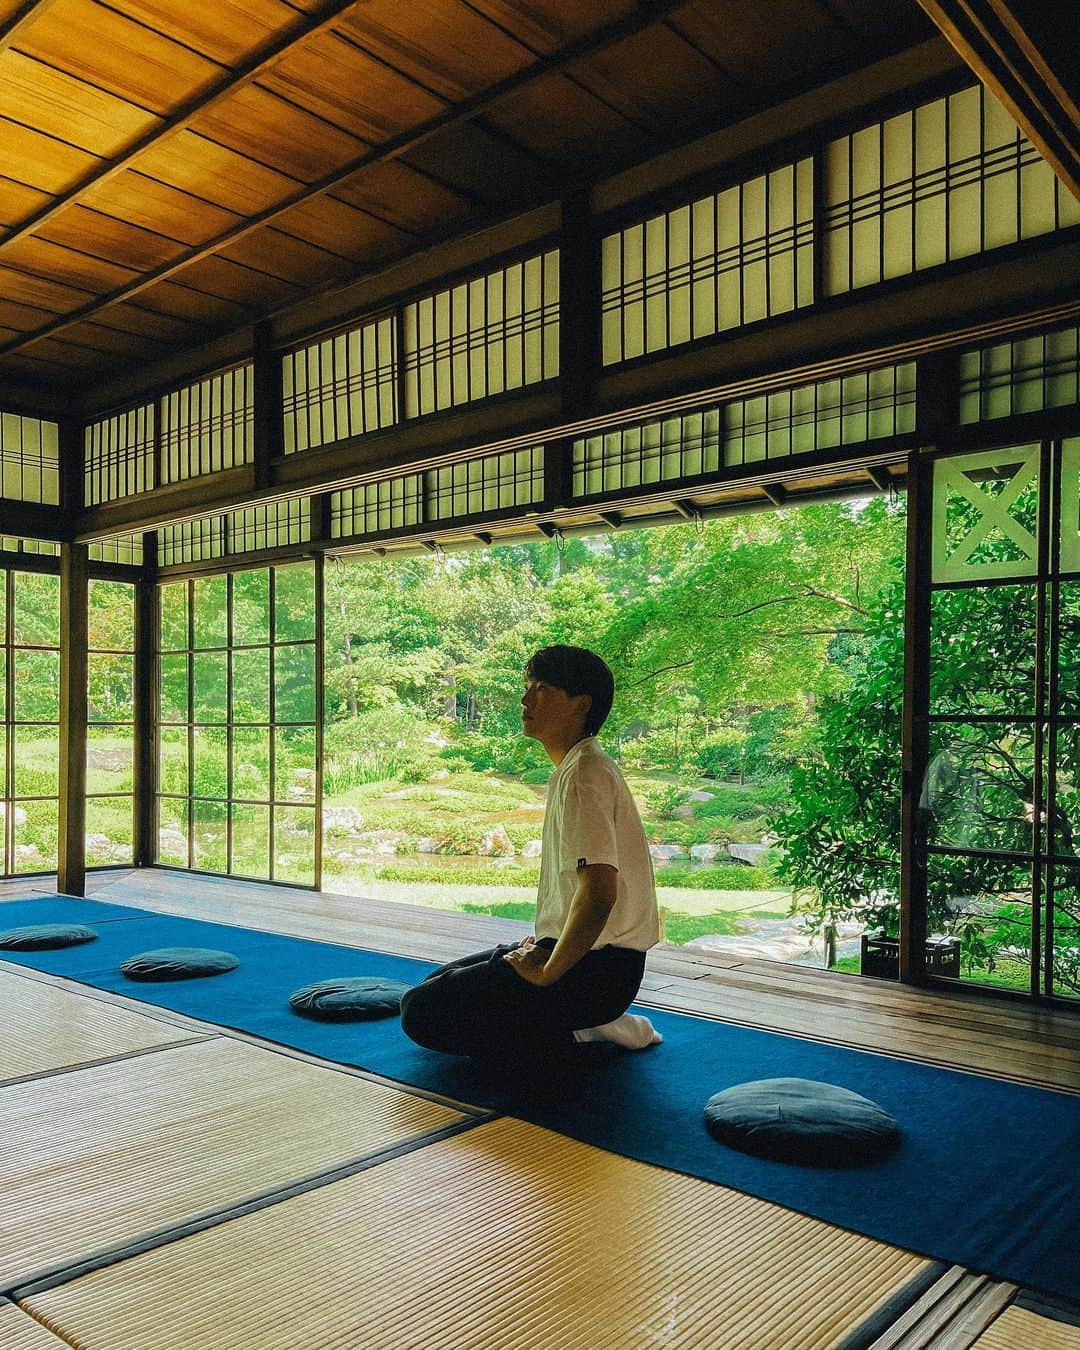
[349, 1000]
[178, 963]
[797, 1120]
[43, 937]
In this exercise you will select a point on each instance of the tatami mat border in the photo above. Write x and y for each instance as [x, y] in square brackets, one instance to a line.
[102, 1060]
[905, 1298]
[50, 1279]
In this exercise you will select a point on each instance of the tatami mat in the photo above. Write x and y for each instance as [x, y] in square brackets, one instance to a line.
[1022, 1329]
[101, 1156]
[49, 1027]
[506, 1235]
[19, 1331]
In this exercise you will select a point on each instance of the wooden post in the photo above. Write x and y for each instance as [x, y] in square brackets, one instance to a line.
[146, 746]
[71, 860]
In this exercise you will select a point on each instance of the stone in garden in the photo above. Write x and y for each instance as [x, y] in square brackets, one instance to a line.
[172, 841]
[532, 849]
[666, 852]
[700, 796]
[342, 819]
[98, 847]
[747, 853]
[496, 843]
[707, 852]
[427, 845]
[27, 853]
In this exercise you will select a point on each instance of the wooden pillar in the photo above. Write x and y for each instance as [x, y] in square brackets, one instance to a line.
[146, 758]
[71, 861]
[916, 727]
[268, 438]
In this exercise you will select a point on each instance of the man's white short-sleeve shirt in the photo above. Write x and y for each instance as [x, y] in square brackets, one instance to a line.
[591, 818]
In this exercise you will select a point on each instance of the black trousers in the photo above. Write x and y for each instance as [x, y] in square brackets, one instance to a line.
[480, 1006]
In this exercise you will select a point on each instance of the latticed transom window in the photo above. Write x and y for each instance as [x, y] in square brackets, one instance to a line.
[29, 459]
[436, 496]
[949, 179]
[118, 455]
[341, 386]
[714, 264]
[483, 337]
[208, 426]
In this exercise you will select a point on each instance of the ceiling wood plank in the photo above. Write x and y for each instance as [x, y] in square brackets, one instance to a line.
[1026, 55]
[261, 60]
[20, 20]
[644, 15]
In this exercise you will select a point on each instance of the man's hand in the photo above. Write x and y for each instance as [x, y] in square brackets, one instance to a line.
[529, 961]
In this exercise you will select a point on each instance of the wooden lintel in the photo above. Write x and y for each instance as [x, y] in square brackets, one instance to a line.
[881, 478]
[1019, 51]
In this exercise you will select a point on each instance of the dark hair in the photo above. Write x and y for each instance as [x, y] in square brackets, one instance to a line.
[578, 671]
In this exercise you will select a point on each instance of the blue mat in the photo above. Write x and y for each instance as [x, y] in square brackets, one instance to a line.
[985, 1176]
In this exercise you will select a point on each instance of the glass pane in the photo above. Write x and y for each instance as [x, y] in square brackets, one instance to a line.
[294, 764]
[211, 686]
[251, 607]
[985, 906]
[35, 837]
[982, 650]
[251, 763]
[174, 617]
[251, 841]
[251, 685]
[110, 830]
[110, 756]
[294, 603]
[1069, 647]
[37, 761]
[210, 762]
[210, 836]
[978, 786]
[172, 831]
[211, 612]
[1066, 934]
[294, 844]
[110, 687]
[1066, 819]
[37, 610]
[173, 760]
[173, 691]
[294, 683]
[111, 615]
[37, 686]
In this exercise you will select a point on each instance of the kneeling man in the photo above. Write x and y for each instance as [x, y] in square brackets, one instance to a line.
[596, 913]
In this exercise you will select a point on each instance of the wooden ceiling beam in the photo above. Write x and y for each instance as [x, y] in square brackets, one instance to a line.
[647, 13]
[1025, 54]
[307, 26]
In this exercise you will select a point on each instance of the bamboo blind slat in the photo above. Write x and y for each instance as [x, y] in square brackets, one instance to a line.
[1022, 1329]
[507, 1235]
[51, 1028]
[101, 1156]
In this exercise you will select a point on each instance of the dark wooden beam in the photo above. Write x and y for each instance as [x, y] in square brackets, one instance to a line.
[775, 493]
[146, 721]
[642, 16]
[881, 478]
[1027, 54]
[687, 509]
[267, 431]
[33, 521]
[611, 518]
[71, 860]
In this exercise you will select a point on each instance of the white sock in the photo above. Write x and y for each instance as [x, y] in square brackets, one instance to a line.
[631, 1031]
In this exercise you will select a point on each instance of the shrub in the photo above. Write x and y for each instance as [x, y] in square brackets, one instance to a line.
[722, 754]
[725, 877]
[510, 874]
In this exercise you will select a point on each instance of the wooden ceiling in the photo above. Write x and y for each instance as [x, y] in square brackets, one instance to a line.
[171, 171]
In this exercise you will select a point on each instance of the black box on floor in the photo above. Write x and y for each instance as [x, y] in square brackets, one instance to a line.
[880, 957]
